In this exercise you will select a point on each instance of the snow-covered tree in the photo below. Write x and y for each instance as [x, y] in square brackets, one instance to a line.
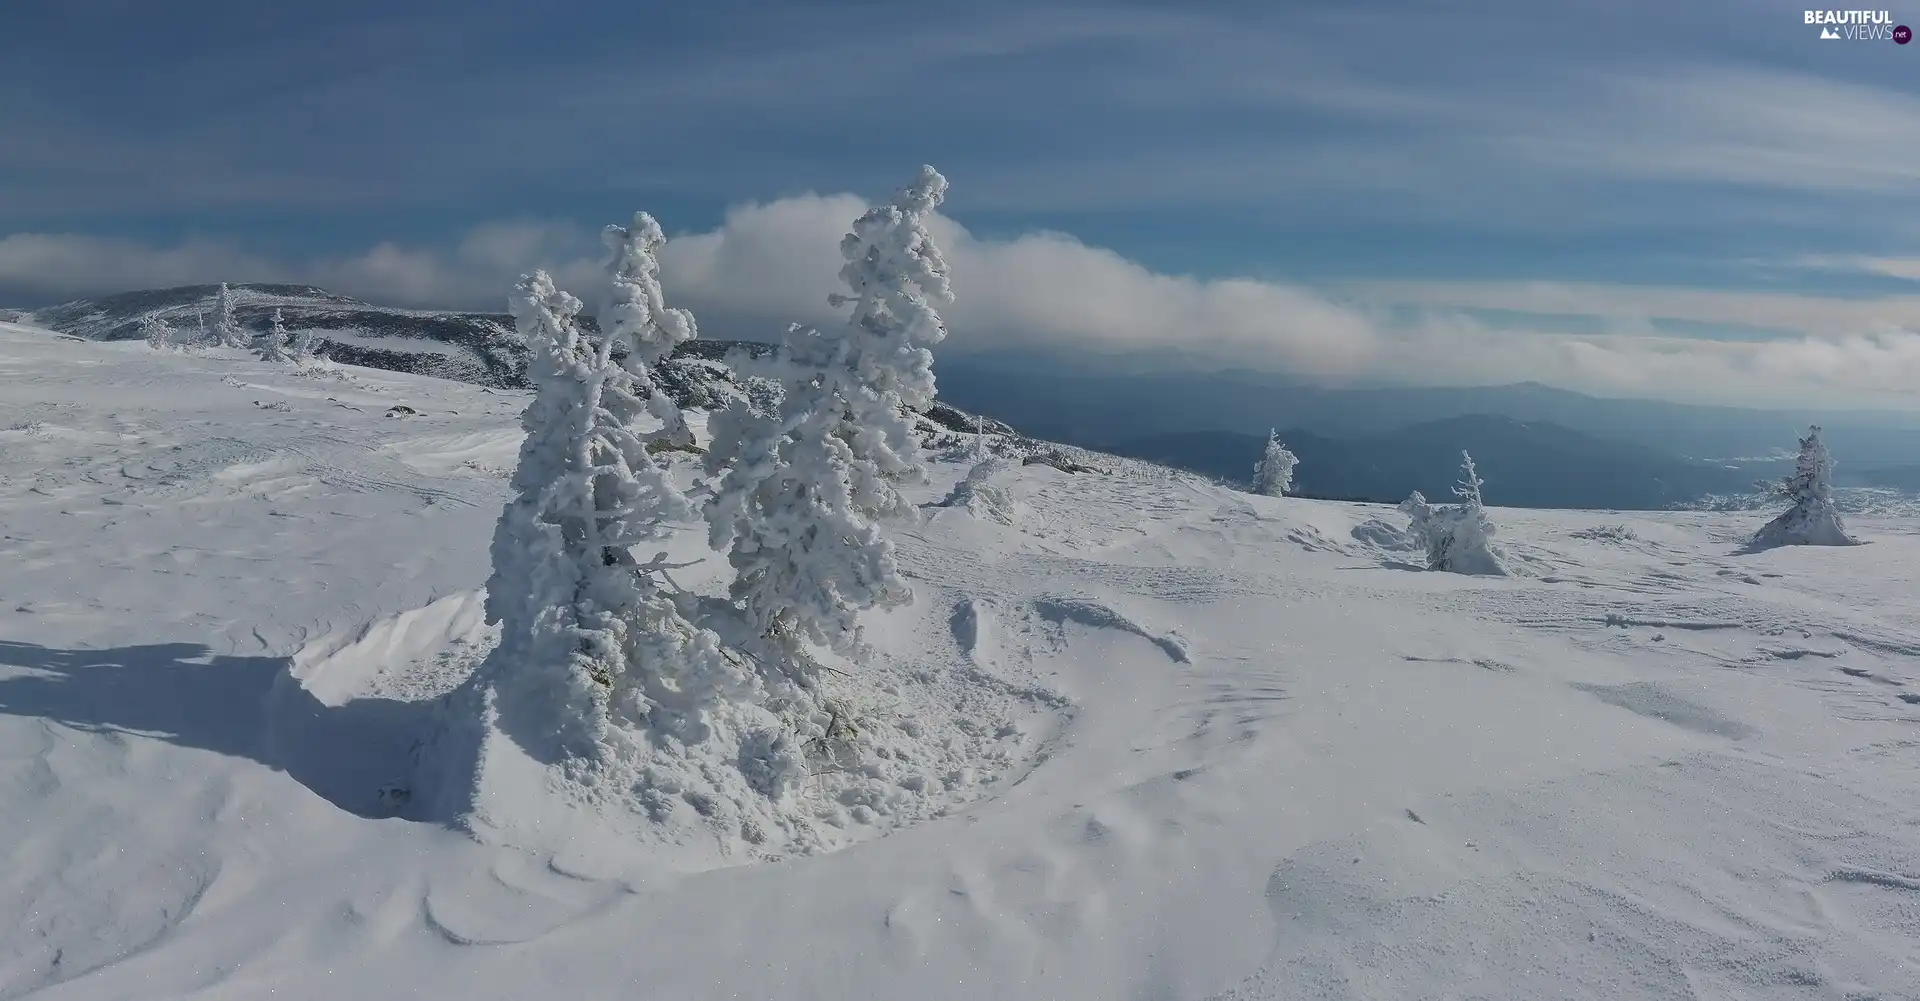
[275, 346]
[592, 649]
[1426, 524]
[157, 332]
[896, 278]
[1813, 520]
[1472, 549]
[981, 496]
[1273, 474]
[636, 316]
[805, 485]
[796, 510]
[227, 331]
[1458, 539]
[302, 347]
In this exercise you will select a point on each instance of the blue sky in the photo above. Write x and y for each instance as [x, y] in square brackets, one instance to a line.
[1626, 169]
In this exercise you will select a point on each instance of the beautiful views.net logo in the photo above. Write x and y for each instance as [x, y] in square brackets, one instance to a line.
[1859, 26]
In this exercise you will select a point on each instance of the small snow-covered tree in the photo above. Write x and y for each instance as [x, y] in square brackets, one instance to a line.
[1472, 549]
[274, 345]
[302, 347]
[157, 332]
[1459, 538]
[1813, 520]
[1273, 474]
[227, 331]
[981, 497]
[592, 649]
[1427, 525]
[979, 493]
[634, 313]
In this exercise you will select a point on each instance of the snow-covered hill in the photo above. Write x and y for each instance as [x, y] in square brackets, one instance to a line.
[480, 348]
[471, 347]
[1260, 756]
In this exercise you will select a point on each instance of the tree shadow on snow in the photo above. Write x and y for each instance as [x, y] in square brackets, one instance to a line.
[243, 707]
[1392, 564]
[1755, 547]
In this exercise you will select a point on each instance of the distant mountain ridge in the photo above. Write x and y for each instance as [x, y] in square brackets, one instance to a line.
[1050, 396]
[1894, 477]
[1525, 464]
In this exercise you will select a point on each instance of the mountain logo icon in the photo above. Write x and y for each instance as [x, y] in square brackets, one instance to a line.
[1826, 33]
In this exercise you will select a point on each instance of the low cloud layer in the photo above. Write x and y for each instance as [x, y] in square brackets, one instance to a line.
[771, 263]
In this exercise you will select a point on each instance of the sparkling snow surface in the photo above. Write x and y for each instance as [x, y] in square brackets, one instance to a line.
[1269, 757]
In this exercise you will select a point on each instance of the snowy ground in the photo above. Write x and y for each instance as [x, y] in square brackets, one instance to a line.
[1265, 757]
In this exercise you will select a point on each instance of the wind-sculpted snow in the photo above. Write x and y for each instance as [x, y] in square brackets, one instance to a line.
[1086, 612]
[1656, 765]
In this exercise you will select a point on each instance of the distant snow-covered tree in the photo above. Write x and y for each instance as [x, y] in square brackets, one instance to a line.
[592, 649]
[157, 332]
[1458, 539]
[1273, 474]
[275, 346]
[1813, 520]
[635, 315]
[981, 496]
[227, 331]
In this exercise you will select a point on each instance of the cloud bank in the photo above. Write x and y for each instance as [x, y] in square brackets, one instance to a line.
[773, 262]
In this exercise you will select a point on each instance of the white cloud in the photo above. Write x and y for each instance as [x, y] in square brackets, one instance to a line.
[774, 262]
[1782, 311]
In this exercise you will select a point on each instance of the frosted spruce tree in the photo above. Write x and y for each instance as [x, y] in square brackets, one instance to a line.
[275, 345]
[597, 659]
[1472, 549]
[1457, 539]
[797, 507]
[156, 331]
[1813, 520]
[805, 486]
[635, 314]
[1273, 474]
[227, 331]
[896, 278]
